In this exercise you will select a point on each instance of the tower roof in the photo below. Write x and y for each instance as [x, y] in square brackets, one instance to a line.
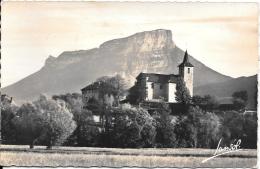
[186, 61]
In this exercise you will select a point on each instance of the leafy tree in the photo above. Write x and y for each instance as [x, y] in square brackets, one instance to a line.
[232, 126]
[134, 95]
[73, 102]
[115, 86]
[240, 99]
[165, 136]
[29, 124]
[235, 125]
[209, 130]
[250, 131]
[132, 127]
[182, 92]
[8, 112]
[87, 133]
[186, 129]
[45, 121]
[197, 100]
[197, 129]
[58, 119]
[206, 102]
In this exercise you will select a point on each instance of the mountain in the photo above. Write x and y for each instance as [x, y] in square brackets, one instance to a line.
[224, 90]
[149, 51]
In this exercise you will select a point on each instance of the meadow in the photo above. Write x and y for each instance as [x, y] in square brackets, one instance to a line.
[115, 157]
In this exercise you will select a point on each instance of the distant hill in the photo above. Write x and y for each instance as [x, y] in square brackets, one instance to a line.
[225, 89]
[150, 51]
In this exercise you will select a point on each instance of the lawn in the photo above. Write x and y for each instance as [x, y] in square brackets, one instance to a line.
[113, 157]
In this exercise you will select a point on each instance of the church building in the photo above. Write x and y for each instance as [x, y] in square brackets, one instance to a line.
[162, 87]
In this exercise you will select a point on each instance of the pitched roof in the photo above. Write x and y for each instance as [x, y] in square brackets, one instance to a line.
[186, 61]
[158, 78]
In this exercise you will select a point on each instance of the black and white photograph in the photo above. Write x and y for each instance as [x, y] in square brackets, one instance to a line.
[129, 84]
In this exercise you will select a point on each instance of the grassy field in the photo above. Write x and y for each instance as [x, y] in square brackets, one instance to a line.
[112, 157]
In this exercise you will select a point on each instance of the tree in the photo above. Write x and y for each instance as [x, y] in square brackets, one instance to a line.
[182, 92]
[8, 112]
[115, 86]
[206, 102]
[58, 120]
[198, 129]
[231, 126]
[133, 127]
[45, 121]
[87, 133]
[197, 100]
[240, 99]
[133, 96]
[29, 124]
[165, 136]
[209, 130]
[235, 125]
[73, 102]
[250, 130]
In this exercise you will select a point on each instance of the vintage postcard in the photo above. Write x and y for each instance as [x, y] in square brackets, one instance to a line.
[129, 84]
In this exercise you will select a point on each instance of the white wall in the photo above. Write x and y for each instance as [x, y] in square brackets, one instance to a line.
[96, 118]
[171, 92]
[149, 91]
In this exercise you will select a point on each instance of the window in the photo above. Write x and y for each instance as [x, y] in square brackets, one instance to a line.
[188, 70]
[160, 86]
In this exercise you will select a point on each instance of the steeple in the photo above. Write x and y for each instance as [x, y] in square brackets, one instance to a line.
[186, 61]
[186, 72]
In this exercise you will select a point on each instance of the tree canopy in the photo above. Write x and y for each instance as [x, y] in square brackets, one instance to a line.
[45, 121]
[133, 127]
[182, 92]
[240, 99]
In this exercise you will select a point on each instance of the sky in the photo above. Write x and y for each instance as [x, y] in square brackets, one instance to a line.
[223, 36]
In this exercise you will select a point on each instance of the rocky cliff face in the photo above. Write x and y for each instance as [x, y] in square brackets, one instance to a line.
[151, 51]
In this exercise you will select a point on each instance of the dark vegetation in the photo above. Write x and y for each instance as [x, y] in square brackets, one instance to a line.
[60, 120]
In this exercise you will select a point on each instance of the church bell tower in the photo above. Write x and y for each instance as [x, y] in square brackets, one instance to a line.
[186, 72]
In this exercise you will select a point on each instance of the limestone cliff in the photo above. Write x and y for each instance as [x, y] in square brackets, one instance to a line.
[150, 51]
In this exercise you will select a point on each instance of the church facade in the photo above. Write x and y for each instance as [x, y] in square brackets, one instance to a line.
[162, 87]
